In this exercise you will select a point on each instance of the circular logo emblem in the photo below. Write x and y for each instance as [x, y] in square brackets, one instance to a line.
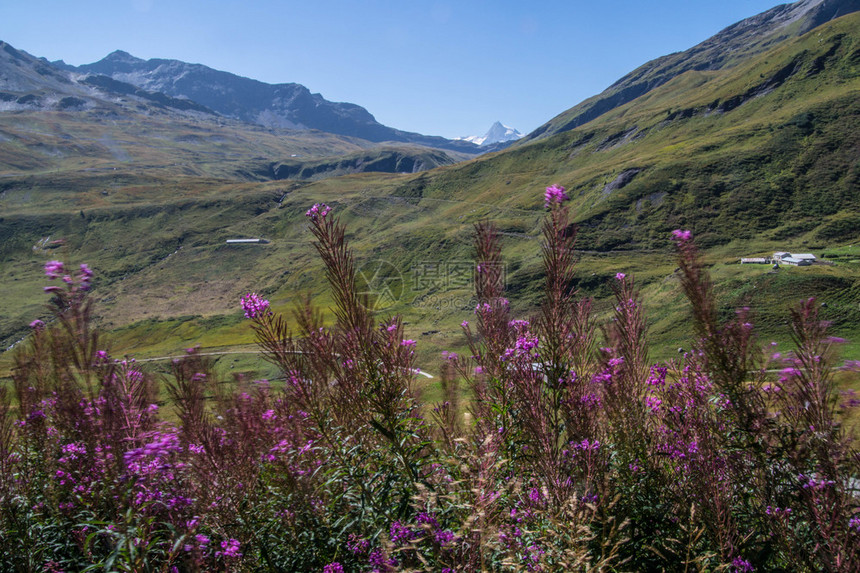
[379, 284]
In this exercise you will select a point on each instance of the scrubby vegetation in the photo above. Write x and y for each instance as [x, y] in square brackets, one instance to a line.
[558, 445]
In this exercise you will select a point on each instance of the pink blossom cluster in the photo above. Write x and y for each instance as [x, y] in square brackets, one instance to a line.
[54, 269]
[318, 211]
[682, 236]
[86, 276]
[230, 548]
[554, 195]
[161, 446]
[57, 269]
[254, 306]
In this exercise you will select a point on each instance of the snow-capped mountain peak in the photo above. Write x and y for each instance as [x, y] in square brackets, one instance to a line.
[496, 134]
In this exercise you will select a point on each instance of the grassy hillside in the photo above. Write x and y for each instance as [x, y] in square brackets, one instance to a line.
[383, 159]
[83, 145]
[762, 157]
[767, 150]
[733, 46]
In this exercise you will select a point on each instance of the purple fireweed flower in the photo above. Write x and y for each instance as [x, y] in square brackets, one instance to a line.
[586, 445]
[444, 536]
[376, 558]
[620, 276]
[35, 415]
[591, 401]
[229, 548]
[74, 450]
[401, 534]
[54, 269]
[160, 447]
[409, 343]
[741, 565]
[356, 545]
[334, 567]
[85, 276]
[526, 343]
[653, 403]
[682, 236]
[554, 195]
[254, 306]
[815, 484]
[318, 211]
[134, 375]
[63, 478]
[37, 324]
[427, 518]
[788, 373]
[657, 376]
[851, 365]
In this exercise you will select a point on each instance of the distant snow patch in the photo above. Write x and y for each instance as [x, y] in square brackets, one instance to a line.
[498, 133]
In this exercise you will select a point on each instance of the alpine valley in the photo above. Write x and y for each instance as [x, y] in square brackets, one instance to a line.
[145, 169]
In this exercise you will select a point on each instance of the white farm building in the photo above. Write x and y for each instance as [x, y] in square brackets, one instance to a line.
[782, 258]
[794, 259]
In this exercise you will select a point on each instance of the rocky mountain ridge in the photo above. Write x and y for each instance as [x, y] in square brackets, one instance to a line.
[60, 120]
[28, 83]
[287, 105]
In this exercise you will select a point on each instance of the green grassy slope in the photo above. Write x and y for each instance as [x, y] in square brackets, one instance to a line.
[384, 159]
[733, 46]
[769, 149]
[133, 146]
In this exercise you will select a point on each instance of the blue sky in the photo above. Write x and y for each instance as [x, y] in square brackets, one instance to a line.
[438, 67]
